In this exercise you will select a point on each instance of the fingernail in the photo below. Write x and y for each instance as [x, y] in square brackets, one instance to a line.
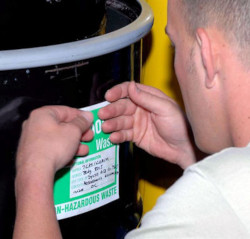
[88, 116]
[136, 88]
[106, 94]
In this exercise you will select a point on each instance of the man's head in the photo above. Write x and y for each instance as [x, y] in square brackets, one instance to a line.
[231, 17]
[212, 64]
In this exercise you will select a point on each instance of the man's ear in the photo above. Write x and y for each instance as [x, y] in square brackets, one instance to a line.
[207, 56]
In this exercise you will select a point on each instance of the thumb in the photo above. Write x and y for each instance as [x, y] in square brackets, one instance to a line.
[83, 121]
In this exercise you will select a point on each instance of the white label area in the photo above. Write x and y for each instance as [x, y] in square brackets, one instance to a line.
[93, 172]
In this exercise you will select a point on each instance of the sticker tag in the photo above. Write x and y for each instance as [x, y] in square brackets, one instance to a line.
[92, 181]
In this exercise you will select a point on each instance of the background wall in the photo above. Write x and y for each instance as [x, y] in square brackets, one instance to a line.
[157, 175]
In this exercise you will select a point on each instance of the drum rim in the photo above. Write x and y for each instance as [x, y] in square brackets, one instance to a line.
[82, 49]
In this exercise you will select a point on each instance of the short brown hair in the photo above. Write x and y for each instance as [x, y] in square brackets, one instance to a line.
[232, 17]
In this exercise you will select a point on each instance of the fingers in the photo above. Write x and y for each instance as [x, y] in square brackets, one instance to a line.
[63, 113]
[151, 90]
[121, 136]
[59, 113]
[148, 100]
[87, 136]
[121, 91]
[117, 92]
[80, 127]
[53, 134]
[119, 123]
[82, 122]
[82, 150]
[74, 121]
[120, 107]
[87, 115]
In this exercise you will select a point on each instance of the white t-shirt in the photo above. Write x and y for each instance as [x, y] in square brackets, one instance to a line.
[211, 200]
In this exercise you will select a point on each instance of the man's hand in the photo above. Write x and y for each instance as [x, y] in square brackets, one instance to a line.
[51, 136]
[150, 119]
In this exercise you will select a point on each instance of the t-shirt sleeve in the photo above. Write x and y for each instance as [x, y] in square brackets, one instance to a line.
[192, 208]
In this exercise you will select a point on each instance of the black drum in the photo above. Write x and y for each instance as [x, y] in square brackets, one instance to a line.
[69, 60]
[29, 23]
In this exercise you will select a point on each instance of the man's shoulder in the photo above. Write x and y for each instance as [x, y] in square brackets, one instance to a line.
[229, 172]
[229, 162]
[211, 200]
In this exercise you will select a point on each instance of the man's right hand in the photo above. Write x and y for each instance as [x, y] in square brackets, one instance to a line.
[149, 118]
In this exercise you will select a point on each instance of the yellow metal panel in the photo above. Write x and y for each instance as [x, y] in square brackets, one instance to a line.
[158, 68]
[149, 194]
[158, 71]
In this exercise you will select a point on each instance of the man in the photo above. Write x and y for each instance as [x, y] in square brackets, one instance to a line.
[211, 199]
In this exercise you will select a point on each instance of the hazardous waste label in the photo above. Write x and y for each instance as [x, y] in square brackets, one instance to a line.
[92, 181]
